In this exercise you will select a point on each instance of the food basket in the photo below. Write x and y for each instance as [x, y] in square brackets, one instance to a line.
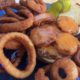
[5, 76]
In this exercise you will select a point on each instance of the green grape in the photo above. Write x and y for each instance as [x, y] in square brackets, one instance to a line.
[54, 13]
[55, 9]
[66, 5]
[59, 7]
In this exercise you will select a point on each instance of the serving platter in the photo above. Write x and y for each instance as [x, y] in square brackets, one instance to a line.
[5, 76]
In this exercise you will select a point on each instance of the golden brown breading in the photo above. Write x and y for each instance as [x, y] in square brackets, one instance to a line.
[44, 35]
[67, 44]
[67, 24]
[40, 75]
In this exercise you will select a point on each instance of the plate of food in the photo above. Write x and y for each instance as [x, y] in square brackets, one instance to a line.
[39, 40]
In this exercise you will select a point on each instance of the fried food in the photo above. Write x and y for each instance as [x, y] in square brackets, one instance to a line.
[67, 24]
[44, 17]
[40, 75]
[20, 25]
[78, 70]
[48, 54]
[15, 60]
[10, 13]
[35, 5]
[30, 50]
[65, 65]
[44, 35]
[13, 44]
[76, 57]
[67, 44]
[52, 37]
[17, 6]
[6, 19]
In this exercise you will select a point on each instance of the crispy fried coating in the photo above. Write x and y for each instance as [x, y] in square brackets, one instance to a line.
[67, 24]
[16, 59]
[30, 51]
[67, 44]
[42, 18]
[40, 75]
[19, 25]
[48, 54]
[38, 6]
[44, 35]
[65, 65]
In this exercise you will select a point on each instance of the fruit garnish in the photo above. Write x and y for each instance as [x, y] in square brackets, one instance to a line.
[55, 9]
[59, 7]
[66, 5]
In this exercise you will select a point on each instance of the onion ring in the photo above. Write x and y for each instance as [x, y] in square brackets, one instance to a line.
[10, 13]
[20, 25]
[37, 6]
[76, 59]
[26, 42]
[6, 19]
[11, 44]
[40, 75]
[65, 65]
[44, 17]
[17, 6]
[16, 60]
[78, 70]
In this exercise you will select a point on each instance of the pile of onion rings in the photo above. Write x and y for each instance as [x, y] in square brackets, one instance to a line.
[28, 29]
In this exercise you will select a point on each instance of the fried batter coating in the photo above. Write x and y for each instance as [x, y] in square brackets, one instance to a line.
[36, 5]
[48, 54]
[10, 13]
[67, 44]
[42, 18]
[44, 35]
[40, 75]
[30, 51]
[13, 44]
[65, 65]
[67, 24]
[15, 60]
[19, 25]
